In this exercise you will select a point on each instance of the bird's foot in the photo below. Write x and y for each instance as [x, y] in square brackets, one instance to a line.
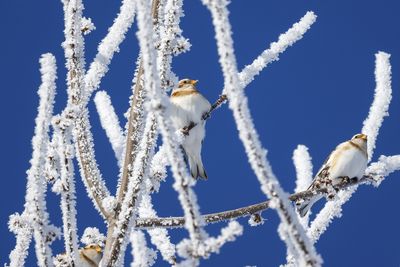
[185, 130]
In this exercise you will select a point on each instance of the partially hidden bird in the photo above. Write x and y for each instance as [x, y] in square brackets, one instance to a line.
[348, 161]
[188, 106]
[90, 255]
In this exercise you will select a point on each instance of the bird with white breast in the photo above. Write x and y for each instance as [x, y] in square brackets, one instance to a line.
[187, 108]
[348, 161]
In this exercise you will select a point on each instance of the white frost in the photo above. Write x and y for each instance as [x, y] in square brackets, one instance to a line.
[142, 255]
[110, 123]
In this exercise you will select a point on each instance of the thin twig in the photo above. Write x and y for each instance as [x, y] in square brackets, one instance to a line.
[221, 100]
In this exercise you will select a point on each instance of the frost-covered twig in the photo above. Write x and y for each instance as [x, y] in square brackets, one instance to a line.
[294, 34]
[159, 236]
[76, 107]
[302, 162]
[117, 235]
[110, 123]
[108, 46]
[303, 165]
[256, 154]
[377, 112]
[171, 41]
[35, 205]
[65, 186]
[23, 231]
[159, 104]
[380, 106]
[228, 234]
[211, 244]
[142, 255]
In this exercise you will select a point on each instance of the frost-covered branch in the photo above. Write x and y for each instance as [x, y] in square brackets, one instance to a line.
[159, 104]
[110, 123]
[380, 105]
[256, 154]
[294, 34]
[159, 236]
[117, 235]
[303, 165]
[35, 204]
[142, 255]
[211, 244]
[76, 106]
[23, 231]
[372, 124]
[65, 186]
[109, 45]
[171, 41]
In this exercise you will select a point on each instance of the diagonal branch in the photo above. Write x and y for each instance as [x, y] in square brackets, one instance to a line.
[256, 154]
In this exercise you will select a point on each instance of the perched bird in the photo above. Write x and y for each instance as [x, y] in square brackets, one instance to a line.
[348, 161]
[187, 109]
[90, 255]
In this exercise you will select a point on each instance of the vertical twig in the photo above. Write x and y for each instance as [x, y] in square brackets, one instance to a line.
[183, 181]
[62, 134]
[76, 107]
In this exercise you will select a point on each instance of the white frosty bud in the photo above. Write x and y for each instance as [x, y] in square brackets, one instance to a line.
[87, 26]
[16, 222]
[52, 233]
[57, 187]
[256, 220]
[92, 235]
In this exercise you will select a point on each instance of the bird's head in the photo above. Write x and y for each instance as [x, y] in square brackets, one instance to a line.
[92, 252]
[187, 83]
[361, 140]
[360, 137]
[185, 87]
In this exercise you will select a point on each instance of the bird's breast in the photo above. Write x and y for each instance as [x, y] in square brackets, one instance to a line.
[188, 108]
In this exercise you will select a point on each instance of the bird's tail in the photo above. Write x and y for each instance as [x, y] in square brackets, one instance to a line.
[303, 206]
[196, 167]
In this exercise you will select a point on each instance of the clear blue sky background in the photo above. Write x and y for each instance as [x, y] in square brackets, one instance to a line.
[317, 94]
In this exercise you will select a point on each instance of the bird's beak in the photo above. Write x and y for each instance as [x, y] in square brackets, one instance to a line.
[194, 82]
[364, 137]
[98, 249]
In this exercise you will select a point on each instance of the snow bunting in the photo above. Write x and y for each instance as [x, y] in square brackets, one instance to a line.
[187, 108]
[90, 255]
[348, 161]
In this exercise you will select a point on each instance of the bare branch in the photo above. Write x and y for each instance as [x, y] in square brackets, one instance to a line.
[176, 222]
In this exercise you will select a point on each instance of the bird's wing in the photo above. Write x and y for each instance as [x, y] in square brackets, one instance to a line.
[323, 171]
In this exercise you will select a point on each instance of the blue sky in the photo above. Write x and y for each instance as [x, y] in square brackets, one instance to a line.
[317, 94]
